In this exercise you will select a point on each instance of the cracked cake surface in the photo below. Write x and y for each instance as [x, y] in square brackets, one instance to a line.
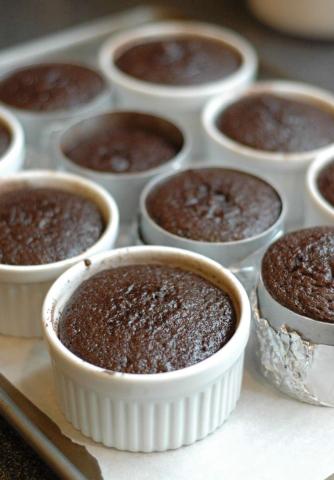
[45, 225]
[214, 205]
[122, 150]
[50, 87]
[180, 60]
[275, 123]
[146, 319]
[298, 272]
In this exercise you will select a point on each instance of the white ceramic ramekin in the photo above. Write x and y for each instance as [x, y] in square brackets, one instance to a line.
[226, 253]
[318, 210]
[147, 412]
[286, 170]
[298, 17]
[12, 160]
[183, 104]
[40, 126]
[125, 187]
[23, 288]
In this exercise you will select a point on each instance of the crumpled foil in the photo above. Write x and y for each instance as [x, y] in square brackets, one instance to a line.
[297, 367]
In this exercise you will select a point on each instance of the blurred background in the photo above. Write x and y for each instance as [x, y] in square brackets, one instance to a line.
[281, 55]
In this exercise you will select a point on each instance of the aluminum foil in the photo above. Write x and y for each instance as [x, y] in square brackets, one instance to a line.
[297, 367]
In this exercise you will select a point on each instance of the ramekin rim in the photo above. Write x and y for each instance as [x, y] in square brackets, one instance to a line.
[298, 316]
[166, 28]
[184, 151]
[312, 174]
[240, 335]
[217, 104]
[156, 180]
[111, 226]
[61, 113]
[17, 136]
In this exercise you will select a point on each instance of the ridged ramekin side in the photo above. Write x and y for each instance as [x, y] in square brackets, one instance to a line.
[148, 425]
[21, 307]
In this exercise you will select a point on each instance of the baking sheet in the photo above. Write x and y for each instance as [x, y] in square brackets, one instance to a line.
[269, 436]
[81, 43]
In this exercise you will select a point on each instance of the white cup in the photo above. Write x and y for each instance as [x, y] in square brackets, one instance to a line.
[298, 17]
[23, 287]
[286, 170]
[182, 103]
[125, 187]
[226, 253]
[13, 158]
[40, 126]
[147, 412]
[318, 210]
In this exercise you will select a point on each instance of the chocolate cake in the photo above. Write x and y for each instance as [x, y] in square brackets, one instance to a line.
[121, 149]
[146, 319]
[180, 60]
[45, 225]
[325, 182]
[5, 138]
[214, 205]
[50, 87]
[274, 123]
[298, 272]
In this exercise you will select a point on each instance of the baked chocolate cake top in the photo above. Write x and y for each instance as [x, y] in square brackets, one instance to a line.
[298, 272]
[5, 138]
[180, 60]
[45, 225]
[276, 124]
[214, 205]
[146, 319]
[51, 87]
[121, 150]
[325, 182]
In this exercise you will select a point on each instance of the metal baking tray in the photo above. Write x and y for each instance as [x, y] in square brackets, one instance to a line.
[27, 398]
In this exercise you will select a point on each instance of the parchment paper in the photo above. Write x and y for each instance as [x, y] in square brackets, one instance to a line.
[268, 436]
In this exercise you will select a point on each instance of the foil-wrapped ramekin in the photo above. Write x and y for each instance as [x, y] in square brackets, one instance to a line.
[295, 353]
[23, 287]
[147, 412]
